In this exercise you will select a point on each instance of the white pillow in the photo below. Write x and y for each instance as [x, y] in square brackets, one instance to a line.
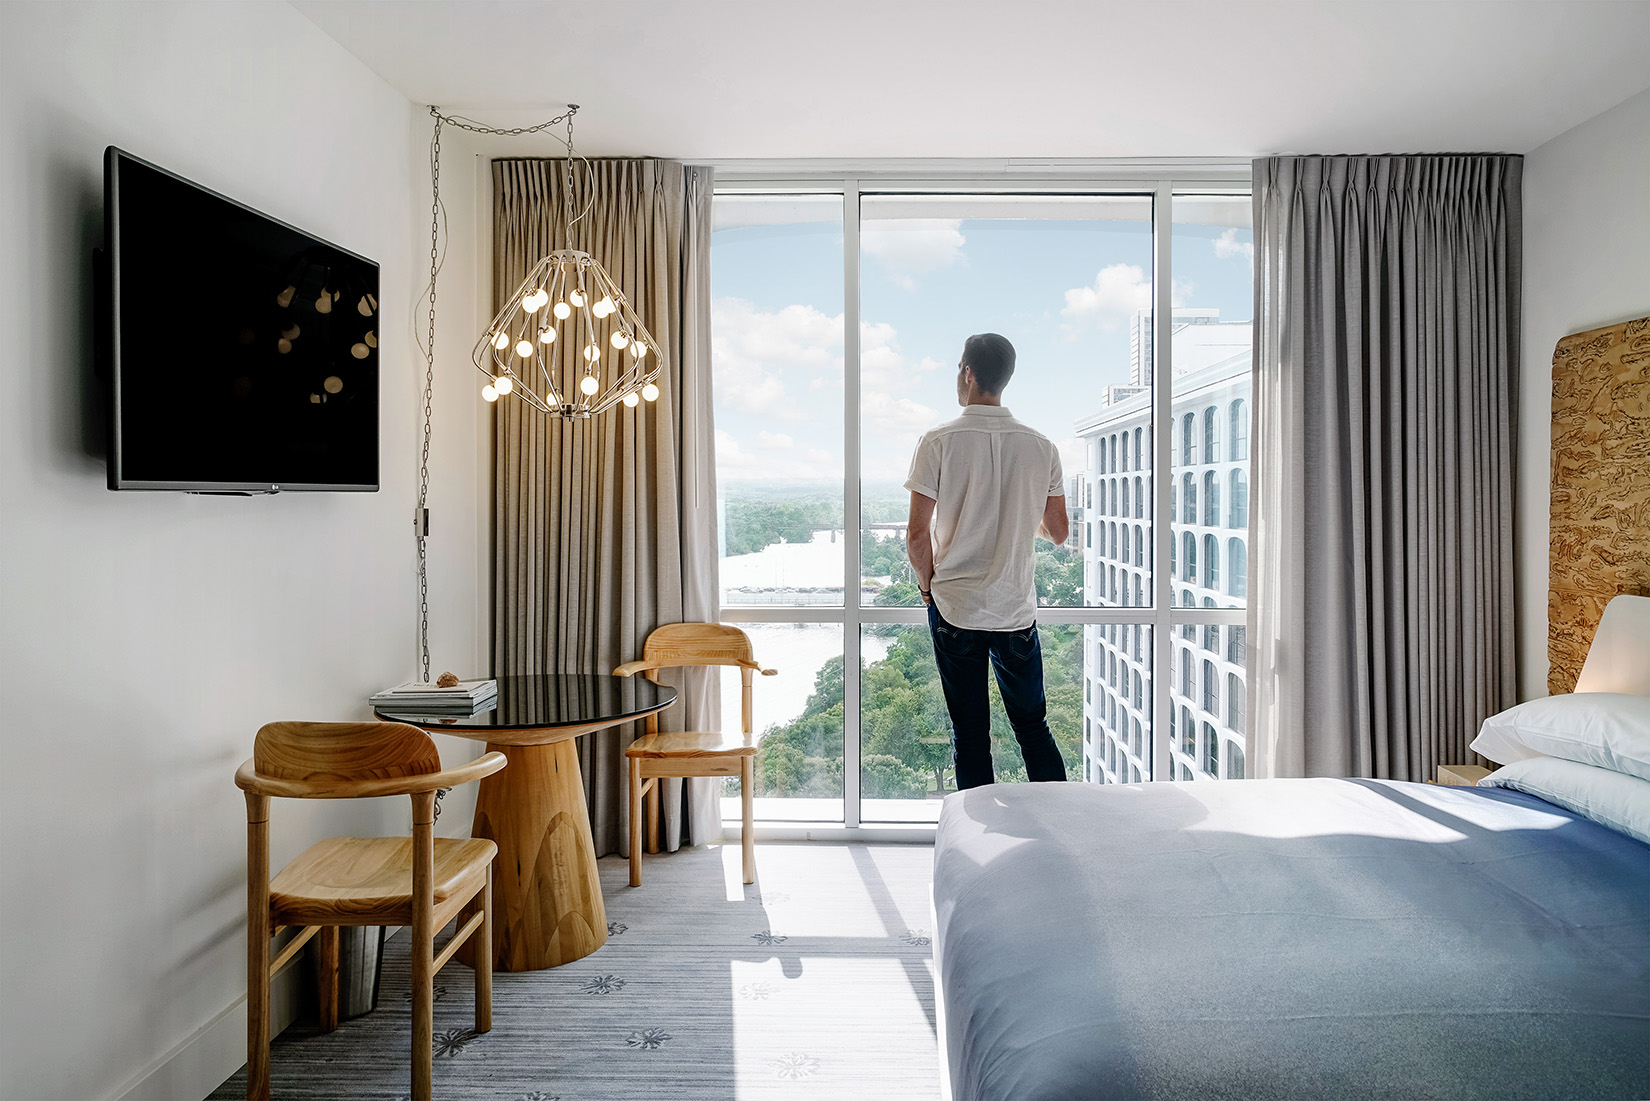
[1607, 729]
[1612, 799]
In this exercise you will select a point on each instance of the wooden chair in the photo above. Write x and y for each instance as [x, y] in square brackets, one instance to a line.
[419, 881]
[691, 753]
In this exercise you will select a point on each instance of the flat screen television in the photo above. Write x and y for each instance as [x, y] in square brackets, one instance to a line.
[241, 352]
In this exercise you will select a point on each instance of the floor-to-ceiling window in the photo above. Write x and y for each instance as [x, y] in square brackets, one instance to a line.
[839, 311]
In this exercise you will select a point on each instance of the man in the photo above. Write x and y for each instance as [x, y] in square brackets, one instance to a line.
[982, 488]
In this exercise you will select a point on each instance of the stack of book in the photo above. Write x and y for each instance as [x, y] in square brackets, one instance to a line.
[464, 698]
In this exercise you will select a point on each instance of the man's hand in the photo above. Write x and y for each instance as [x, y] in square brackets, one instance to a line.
[919, 545]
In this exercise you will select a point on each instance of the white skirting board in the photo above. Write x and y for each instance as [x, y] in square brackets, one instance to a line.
[199, 1063]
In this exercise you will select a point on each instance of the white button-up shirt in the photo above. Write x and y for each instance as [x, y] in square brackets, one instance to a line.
[990, 477]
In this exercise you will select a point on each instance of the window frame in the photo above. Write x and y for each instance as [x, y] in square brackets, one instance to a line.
[1160, 181]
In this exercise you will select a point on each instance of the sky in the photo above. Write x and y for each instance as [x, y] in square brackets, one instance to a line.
[1058, 277]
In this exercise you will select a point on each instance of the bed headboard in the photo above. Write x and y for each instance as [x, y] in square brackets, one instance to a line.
[1619, 659]
[1600, 519]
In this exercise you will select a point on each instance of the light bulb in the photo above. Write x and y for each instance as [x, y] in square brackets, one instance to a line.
[619, 340]
[576, 297]
[547, 335]
[524, 348]
[504, 384]
[531, 302]
[501, 341]
[632, 399]
[489, 392]
[592, 353]
[602, 308]
[650, 392]
[561, 309]
[588, 384]
[638, 349]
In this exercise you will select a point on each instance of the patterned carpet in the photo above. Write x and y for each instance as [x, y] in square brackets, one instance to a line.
[814, 982]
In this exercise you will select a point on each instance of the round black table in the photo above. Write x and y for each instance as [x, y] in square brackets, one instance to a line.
[547, 897]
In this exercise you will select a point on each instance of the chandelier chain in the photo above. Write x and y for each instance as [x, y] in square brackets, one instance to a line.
[420, 521]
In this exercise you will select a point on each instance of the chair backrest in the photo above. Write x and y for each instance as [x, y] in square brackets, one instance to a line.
[683, 644]
[343, 751]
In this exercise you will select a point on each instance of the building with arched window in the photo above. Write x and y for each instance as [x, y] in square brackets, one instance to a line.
[1208, 452]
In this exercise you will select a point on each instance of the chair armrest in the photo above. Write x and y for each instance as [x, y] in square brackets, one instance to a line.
[247, 778]
[752, 665]
[631, 668]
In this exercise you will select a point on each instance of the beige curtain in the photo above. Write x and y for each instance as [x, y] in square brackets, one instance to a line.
[1381, 626]
[606, 528]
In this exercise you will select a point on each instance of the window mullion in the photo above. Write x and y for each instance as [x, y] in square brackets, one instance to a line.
[852, 512]
[1163, 474]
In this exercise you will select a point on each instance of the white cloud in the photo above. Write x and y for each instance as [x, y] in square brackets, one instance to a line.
[1116, 293]
[1227, 246]
[756, 352]
[782, 365]
[909, 247]
[886, 377]
[893, 420]
[734, 463]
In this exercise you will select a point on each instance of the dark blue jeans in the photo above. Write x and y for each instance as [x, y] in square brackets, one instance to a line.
[1017, 659]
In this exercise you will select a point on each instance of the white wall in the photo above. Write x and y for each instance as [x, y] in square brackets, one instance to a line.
[1586, 265]
[146, 636]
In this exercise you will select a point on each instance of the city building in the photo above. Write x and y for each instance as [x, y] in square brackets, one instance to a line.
[1209, 500]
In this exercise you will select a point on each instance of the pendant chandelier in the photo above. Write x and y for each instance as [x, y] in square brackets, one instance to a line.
[568, 342]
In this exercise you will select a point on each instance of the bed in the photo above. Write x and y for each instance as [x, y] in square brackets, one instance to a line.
[1308, 938]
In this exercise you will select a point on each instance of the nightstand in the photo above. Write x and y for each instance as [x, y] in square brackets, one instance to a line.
[1461, 776]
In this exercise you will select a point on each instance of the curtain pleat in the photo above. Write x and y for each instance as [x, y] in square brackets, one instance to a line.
[600, 533]
[1387, 322]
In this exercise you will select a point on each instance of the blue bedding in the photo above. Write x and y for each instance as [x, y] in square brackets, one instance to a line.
[1291, 939]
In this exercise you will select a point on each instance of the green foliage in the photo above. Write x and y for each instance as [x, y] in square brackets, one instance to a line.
[905, 731]
[1059, 575]
[753, 523]
[884, 777]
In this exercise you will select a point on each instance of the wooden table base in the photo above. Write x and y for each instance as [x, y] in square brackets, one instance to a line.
[547, 898]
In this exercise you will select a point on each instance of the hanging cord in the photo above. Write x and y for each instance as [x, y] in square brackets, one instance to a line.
[438, 225]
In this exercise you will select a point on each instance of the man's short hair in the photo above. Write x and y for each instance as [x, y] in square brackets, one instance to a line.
[992, 359]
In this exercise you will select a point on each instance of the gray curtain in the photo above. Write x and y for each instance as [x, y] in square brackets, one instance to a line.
[604, 529]
[1386, 364]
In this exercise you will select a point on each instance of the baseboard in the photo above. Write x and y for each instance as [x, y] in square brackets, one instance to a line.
[202, 1061]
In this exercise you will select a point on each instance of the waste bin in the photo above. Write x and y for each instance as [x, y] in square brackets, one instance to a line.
[360, 962]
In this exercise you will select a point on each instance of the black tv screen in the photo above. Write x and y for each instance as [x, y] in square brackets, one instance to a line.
[242, 352]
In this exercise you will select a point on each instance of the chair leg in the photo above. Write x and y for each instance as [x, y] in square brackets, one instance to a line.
[484, 958]
[328, 949]
[653, 816]
[423, 946]
[747, 831]
[257, 947]
[635, 821]
[257, 1010]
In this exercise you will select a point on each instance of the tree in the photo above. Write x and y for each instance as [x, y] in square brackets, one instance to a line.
[884, 777]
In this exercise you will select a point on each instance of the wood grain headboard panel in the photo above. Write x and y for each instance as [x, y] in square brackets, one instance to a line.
[1600, 487]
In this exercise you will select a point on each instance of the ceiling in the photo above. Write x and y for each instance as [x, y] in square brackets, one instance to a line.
[718, 80]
